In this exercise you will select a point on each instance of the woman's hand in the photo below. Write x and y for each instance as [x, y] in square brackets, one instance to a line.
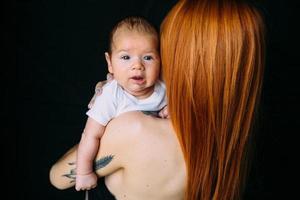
[164, 113]
[98, 89]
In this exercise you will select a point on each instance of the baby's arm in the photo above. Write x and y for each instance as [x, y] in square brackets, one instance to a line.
[87, 150]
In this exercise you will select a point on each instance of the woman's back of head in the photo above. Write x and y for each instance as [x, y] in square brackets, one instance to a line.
[212, 59]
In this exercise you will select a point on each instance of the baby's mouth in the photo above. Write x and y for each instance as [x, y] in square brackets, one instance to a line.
[138, 79]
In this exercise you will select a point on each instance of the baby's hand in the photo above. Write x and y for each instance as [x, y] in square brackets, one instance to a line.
[98, 89]
[86, 182]
[163, 113]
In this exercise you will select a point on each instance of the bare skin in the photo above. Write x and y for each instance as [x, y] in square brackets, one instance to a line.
[140, 158]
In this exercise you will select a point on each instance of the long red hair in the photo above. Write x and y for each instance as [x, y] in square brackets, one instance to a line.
[212, 54]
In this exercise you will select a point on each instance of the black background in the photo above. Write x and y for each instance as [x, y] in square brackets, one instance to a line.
[59, 57]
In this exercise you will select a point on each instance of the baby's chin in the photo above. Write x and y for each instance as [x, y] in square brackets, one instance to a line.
[140, 92]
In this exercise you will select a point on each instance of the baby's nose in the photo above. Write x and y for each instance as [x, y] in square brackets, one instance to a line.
[138, 65]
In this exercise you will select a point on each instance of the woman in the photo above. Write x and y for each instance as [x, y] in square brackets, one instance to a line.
[212, 56]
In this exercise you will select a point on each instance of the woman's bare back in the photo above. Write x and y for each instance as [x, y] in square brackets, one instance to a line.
[152, 165]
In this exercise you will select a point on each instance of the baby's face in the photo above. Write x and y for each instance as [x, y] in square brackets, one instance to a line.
[134, 62]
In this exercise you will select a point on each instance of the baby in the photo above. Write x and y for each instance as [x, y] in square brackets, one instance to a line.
[134, 61]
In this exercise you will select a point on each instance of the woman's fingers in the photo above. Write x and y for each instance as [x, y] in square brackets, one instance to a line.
[98, 89]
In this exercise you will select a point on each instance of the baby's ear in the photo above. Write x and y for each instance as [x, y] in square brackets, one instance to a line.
[108, 60]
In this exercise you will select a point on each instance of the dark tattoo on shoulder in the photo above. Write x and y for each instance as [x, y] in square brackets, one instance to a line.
[153, 113]
[98, 164]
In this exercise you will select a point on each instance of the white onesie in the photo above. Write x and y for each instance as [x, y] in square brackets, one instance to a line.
[114, 100]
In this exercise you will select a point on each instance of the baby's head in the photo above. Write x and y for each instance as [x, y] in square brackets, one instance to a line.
[133, 56]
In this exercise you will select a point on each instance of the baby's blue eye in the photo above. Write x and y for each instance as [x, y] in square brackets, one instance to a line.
[148, 57]
[125, 57]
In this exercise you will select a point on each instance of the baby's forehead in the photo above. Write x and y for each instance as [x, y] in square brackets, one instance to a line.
[132, 38]
[125, 30]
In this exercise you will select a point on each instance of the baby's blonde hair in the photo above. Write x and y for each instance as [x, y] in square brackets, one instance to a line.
[133, 23]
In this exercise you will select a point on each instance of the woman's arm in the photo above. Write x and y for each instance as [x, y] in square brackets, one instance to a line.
[63, 172]
[116, 146]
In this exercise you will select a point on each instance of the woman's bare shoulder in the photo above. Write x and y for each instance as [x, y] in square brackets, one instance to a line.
[131, 120]
[124, 131]
[130, 124]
